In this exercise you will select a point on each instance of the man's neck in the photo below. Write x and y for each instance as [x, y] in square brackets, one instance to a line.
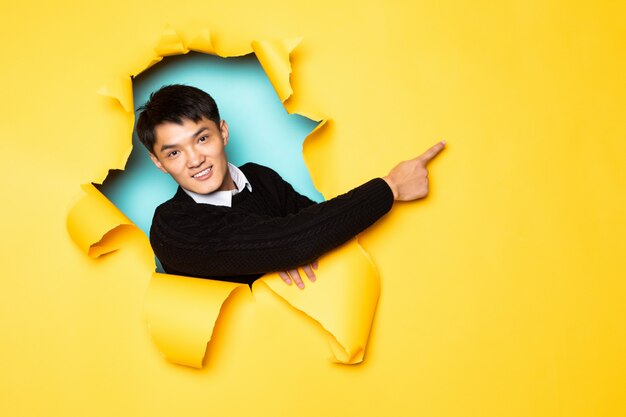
[228, 183]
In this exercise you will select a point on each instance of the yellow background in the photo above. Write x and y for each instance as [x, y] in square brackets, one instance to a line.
[502, 292]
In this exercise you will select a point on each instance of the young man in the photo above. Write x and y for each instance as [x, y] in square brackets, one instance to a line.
[235, 224]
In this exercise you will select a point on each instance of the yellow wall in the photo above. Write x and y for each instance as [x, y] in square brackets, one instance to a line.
[502, 293]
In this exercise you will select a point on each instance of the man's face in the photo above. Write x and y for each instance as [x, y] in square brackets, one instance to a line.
[193, 154]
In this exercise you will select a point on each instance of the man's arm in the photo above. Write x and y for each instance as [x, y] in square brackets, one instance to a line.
[408, 181]
[204, 241]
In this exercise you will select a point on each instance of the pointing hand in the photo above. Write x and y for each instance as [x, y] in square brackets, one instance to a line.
[409, 179]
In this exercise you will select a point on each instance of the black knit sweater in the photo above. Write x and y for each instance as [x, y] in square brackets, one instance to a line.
[272, 228]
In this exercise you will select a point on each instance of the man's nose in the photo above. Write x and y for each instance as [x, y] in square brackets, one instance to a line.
[195, 158]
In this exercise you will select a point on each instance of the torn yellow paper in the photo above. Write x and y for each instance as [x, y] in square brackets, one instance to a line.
[274, 58]
[91, 219]
[202, 43]
[181, 313]
[320, 176]
[121, 89]
[170, 43]
[342, 300]
[141, 68]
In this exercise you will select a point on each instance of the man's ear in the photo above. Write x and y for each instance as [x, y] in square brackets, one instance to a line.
[157, 163]
[224, 131]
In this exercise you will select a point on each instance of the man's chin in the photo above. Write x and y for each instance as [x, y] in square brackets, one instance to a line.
[199, 188]
[202, 190]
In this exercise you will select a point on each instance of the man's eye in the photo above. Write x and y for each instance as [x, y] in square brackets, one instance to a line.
[172, 154]
[203, 138]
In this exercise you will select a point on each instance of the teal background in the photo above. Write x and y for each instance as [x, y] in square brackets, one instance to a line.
[260, 129]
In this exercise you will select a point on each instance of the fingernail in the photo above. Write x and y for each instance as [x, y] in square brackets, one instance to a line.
[313, 279]
[443, 142]
[288, 281]
[300, 286]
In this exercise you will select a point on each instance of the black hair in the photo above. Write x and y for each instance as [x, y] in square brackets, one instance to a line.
[173, 103]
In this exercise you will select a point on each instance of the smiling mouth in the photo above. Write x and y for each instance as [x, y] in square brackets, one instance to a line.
[204, 173]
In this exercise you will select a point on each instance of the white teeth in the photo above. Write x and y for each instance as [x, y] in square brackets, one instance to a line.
[201, 173]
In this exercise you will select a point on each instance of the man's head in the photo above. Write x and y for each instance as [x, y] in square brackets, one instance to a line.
[181, 128]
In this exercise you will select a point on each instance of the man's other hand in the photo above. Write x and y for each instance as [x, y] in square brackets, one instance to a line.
[409, 179]
[294, 275]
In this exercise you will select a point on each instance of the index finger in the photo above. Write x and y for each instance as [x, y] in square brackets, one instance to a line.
[432, 152]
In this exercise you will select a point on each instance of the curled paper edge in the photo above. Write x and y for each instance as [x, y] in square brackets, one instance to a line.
[120, 89]
[354, 295]
[93, 218]
[340, 353]
[170, 43]
[274, 58]
[202, 43]
[181, 314]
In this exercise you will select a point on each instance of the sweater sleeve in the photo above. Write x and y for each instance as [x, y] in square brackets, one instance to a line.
[208, 241]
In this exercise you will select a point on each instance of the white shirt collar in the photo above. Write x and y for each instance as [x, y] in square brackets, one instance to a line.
[223, 198]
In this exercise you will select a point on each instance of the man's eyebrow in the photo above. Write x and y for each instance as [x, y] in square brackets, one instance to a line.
[166, 146]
